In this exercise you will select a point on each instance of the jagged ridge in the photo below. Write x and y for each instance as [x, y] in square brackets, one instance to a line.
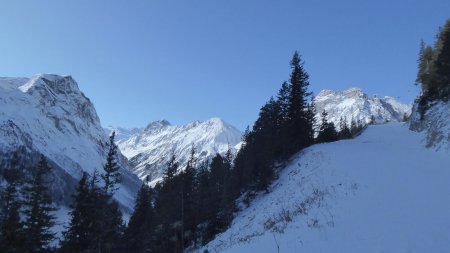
[357, 105]
[151, 148]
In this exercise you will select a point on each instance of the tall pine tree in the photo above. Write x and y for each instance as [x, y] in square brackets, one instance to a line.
[38, 210]
[298, 131]
[111, 176]
[11, 228]
[139, 233]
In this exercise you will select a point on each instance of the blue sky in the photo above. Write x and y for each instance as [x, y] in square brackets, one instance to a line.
[140, 61]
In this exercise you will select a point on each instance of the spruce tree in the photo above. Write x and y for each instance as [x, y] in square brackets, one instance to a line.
[299, 129]
[344, 130]
[78, 236]
[283, 101]
[442, 62]
[38, 210]
[111, 177]
[11, 228]
[433, 70]
[138, 234]
[172, 168]
[327, 130]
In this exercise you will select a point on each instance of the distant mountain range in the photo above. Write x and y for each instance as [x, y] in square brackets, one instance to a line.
[149, 149]
[354, 104]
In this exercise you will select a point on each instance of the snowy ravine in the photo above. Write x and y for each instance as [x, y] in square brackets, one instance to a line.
[382, 192]
[49, 114]
[150, 149]
[354, 104]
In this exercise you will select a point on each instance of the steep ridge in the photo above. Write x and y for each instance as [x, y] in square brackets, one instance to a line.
[380, 192]
[151, 148]
[355, 104]
[48, 114]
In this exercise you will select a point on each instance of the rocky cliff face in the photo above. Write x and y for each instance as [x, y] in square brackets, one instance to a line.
[48, 114]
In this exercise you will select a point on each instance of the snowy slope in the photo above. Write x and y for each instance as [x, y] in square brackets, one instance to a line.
[381, 192]
[50, 115]
[435, 124]
[151, 148]
[355, 104]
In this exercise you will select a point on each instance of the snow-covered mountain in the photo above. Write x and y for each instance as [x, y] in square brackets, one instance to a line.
[122, 133]
[383, 191]
[150, 149]
[48, 114]
[355, 104]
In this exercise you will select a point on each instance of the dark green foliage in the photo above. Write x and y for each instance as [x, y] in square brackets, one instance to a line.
[172, 168]
[344, 130]
[11, 228]
[38, 210]
[221, 205]
[111, 177]
[170, 211]
[327, 130]
[434, 70]
[96, 223]
[284, 126]
[79, 235]
[139, 233]
[300, 125]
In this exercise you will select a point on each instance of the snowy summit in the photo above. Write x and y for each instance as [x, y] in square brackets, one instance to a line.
[150, 149]
[354, 104]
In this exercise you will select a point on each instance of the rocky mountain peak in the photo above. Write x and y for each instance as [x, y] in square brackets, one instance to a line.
[354, 104]
[158, 124]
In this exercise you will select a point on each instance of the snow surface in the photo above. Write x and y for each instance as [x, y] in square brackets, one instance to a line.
[382, 192]
[150, 149]
[355, 104]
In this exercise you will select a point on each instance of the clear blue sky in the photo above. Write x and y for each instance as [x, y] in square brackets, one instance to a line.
[183, 60]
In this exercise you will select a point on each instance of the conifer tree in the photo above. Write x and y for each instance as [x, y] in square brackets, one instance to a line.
[78, 236]
[299, 130]
[327, 131]
[283, 101]
[172, 168]
[433, 70]
[188, 200]
[11, 228]
[442, 62]
[38, 210]
[111, 177]
[344, 130]
[138, 234]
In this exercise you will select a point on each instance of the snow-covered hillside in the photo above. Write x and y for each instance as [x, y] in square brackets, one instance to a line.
[435, 124]
[50, 115]
[355, 104]
[381, 192]
[151, 148]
